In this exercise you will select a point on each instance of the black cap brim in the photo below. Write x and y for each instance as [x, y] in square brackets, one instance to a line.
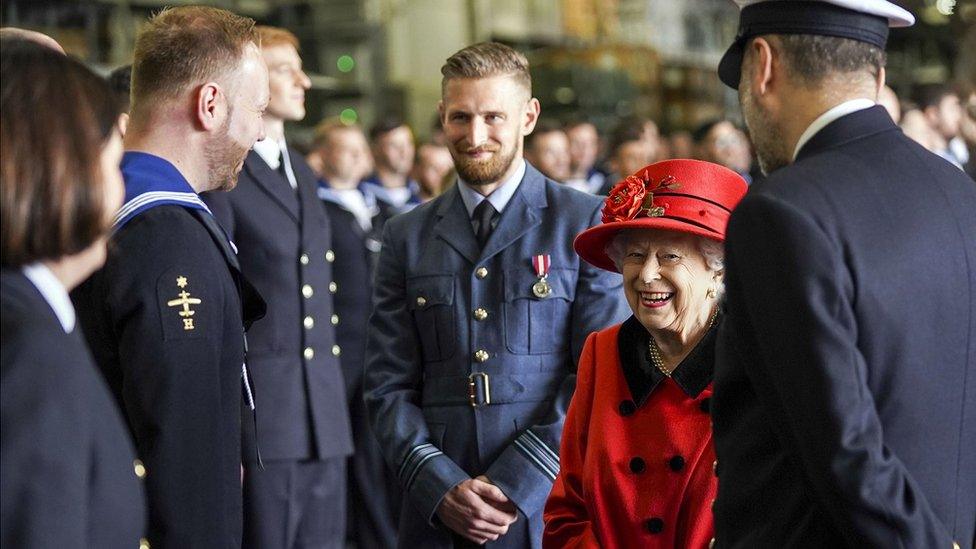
[730, 67]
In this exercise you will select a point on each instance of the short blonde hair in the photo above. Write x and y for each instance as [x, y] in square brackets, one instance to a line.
[187, 46]
[328, 127]
[276, 36]
[484, 60]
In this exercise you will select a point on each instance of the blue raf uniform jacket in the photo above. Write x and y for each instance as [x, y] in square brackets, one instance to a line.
[468, 372]
[284, 242]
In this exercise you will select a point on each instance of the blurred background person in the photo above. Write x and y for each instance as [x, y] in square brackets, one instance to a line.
[639, 420]
[967, 130]
[391, 141]
[628, 152]
[888, 99]
[547, 148]
[120, 80]
[916, 127]
[942, 110]
[682, 144]
[584, 150]
[14, 33]
[430, 168]
[356, 220]
[720, 142]
[69, 477]
[286, 250]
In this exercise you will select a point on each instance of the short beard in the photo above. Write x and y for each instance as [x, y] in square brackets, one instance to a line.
[223, 156]
[486, 172]
[766, 137]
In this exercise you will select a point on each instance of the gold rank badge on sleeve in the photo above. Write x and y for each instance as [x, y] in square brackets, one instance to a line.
[183, 304]
[184, 300]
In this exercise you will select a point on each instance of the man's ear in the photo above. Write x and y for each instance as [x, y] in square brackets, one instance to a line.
[882, 76]
[531, 116]
[761, 65]
[208, 108]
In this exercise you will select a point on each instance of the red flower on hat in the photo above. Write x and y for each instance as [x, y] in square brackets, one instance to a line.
[635, 196]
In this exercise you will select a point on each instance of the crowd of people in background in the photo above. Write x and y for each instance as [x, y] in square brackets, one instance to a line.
[342, 429]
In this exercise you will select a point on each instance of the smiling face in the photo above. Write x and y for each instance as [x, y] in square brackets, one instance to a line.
[666, 281]
[287, 80]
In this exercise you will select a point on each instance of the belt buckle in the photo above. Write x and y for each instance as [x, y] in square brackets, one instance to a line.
[473, 389]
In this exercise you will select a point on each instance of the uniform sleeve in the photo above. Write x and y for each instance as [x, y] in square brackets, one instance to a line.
[526, 469]
[44, 441]
[788, 281]
[392, 386]
[567, 520]
[167, 310]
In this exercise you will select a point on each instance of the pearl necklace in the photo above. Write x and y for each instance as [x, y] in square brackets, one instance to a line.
[657, 360]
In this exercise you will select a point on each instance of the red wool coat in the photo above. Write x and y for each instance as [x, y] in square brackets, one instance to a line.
[636, 459]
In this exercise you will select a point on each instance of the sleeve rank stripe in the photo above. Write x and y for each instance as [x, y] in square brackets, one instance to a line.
[549, 472]
[542, 445]
[539, 453]
[415, 459]
[419, 466]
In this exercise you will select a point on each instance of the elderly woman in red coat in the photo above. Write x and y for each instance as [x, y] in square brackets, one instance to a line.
[636, 462]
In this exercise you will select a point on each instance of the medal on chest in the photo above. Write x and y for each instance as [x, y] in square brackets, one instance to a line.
[541, 288]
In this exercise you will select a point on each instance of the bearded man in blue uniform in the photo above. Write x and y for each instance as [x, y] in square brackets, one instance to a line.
[845, 397]
[481, 311]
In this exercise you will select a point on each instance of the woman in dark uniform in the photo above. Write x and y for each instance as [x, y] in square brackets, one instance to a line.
[636, 454]
[68, 477]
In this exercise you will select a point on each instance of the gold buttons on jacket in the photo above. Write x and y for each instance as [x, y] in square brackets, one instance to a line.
[308, 353]
[139, 468]
[303, 259]
[480, 314]
[307, 291]
[481, 355]
[421, 301]
[333, 287]
[481, 272]
[143, 543]
[330, 256]
[336, 350]
[308, 322]
[335, 320]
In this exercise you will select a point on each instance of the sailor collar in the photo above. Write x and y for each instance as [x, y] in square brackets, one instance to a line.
[152, 181]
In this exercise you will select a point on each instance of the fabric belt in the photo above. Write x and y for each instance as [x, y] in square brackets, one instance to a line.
[483, 388]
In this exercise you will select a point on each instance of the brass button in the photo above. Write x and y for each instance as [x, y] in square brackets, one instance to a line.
[421, 301]
[143, 543]
[480, 314]
[336, 350]
[308, 322]
[481, 355]
[330, 256]
[307, 291]
[139, 468]
[303, 259]
[481, 272]
[711, 543]
[308, 353]
[333, 287]
[335, 320]
[715, 467]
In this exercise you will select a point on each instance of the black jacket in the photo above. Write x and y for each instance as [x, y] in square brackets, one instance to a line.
[68, 475]
[845, 384]
[177, 376]
[284, 243]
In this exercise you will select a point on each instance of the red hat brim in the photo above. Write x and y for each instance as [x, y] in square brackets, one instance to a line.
[591, 244]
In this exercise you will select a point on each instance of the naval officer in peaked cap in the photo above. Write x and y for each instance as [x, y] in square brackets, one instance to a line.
[481, 311]
[845, 396]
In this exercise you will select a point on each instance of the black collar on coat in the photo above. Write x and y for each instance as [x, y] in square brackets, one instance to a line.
[856, 125]
[692, 375]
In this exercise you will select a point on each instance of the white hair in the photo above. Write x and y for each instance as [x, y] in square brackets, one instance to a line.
[712, 251]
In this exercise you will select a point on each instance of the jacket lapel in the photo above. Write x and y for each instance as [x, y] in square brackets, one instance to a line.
[454, 225]
[272, 184]
[521, 214]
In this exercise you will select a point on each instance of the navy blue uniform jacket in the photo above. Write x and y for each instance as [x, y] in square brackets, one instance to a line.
[845, 386]
[284, 244]
[426, 340]
[68, 476]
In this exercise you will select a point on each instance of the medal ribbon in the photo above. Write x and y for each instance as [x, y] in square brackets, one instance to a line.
[541, 264]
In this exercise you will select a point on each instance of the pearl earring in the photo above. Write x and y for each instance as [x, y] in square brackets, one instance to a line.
[711, 293]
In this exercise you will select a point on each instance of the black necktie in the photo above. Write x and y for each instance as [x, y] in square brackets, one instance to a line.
[483, 215]
[281, 168]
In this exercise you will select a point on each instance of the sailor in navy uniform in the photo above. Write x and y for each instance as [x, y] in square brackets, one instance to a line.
[165, 321]
[393, 154]
[844, 410]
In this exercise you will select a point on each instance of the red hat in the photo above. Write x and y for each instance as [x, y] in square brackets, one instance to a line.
[685, 196]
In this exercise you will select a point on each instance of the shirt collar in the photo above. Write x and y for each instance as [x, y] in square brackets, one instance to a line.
[845, 108]
[499, 197]
[53, 292]
[692, 375]
[270, 150]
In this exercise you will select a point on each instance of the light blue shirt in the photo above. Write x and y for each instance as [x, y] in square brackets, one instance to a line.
[499, 197]
[53, 292]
